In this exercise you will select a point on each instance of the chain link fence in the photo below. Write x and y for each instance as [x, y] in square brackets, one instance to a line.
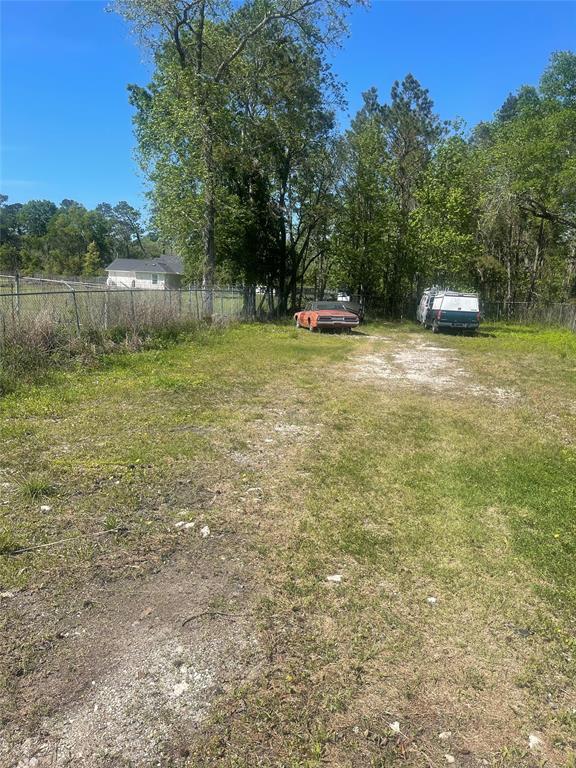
[75, 311]
[525, 313]
[73, 308]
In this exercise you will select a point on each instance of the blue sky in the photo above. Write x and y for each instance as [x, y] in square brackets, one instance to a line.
[66, 123]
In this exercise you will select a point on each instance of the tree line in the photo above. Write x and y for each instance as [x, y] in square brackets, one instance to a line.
[252, 181]
[40, 237]
[492, 209]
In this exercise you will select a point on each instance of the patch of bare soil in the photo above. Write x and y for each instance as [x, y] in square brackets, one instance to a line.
[422, 365]
[135, 671]
[126, 673]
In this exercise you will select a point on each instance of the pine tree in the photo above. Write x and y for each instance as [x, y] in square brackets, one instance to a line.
[91, 262]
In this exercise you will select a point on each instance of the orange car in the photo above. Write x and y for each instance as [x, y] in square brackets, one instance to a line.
[330, 315]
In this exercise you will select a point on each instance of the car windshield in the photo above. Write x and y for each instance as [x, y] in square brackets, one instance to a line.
[328, 305]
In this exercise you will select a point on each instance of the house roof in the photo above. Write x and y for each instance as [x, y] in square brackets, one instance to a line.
[171, 265]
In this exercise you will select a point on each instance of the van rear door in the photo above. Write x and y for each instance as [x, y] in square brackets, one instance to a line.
[460, 311]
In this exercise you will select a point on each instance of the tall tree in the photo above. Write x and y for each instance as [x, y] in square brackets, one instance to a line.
[208, 42]
[413, 130]
[125, 228]
[35, 215]
[389, 148]
[366, 208]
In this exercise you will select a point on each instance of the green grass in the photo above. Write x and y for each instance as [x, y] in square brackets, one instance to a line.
[121, 421]
[34, 488]
[412, 494]
[407, 492]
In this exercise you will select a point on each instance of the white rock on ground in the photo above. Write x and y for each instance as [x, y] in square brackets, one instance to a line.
[534, 742]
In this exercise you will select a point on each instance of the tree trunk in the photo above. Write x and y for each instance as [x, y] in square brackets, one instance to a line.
[282, 267]
[249, 302]
[538, 256]
[209, 224]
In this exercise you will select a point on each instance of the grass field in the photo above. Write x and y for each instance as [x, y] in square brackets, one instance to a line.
[435, 475]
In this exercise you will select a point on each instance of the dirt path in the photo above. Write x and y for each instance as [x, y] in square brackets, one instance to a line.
[130, 674]
[135, 670]
[420, 364]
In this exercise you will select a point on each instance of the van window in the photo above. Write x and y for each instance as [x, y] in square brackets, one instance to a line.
[463, 303]
[437, 303]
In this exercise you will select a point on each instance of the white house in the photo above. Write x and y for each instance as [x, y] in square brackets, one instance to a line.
[163, 272]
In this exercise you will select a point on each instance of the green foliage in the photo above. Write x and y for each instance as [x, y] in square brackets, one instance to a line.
[386, 153]
[495, 211]
[442, 224]
[559, 80]
[41, 237]
[91, 265]
[35, 215]
[235, 132]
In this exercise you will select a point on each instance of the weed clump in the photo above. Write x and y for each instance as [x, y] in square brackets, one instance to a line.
[35, 488]
[8, 544]
[31, 352]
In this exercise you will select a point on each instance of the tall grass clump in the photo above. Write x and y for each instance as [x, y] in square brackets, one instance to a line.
[31, 350]
[36, 488]
[28, 350]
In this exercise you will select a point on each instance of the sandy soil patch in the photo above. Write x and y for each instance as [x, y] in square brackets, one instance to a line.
[422, 365]
[135, 671]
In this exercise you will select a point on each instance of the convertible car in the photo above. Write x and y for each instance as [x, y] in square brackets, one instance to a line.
[326, 315]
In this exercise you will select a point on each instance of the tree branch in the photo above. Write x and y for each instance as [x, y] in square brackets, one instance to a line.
[529, 205]
[266, 19]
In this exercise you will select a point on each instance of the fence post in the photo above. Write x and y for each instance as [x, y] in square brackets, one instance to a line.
[76, 311]
[132, 308]
[17, 282]
[106, 310]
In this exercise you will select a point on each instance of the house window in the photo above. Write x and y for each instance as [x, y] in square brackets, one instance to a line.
[154, 279]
